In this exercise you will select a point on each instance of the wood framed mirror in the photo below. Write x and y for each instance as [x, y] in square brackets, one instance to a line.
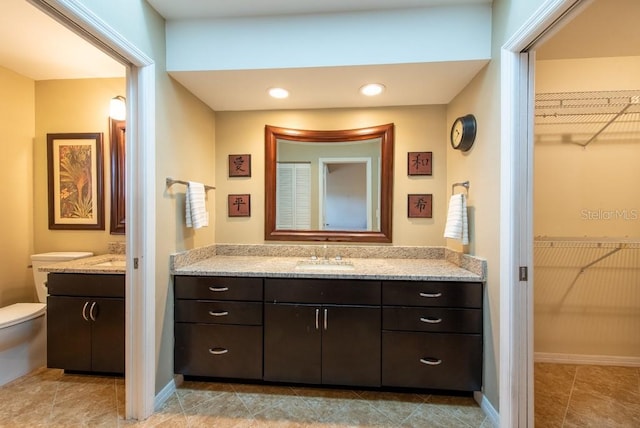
[118, 183]
[329, 185]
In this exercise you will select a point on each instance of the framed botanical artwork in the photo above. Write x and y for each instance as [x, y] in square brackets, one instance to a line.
[419, 205]
[419, 163]
[239, 205]
[75, 175]
[239, 165]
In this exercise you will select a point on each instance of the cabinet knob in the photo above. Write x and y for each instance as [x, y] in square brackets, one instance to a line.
[431, 320]
[218, 289]
[430, 361]
[218, 351]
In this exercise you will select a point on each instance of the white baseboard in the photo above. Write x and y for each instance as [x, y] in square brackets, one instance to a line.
[600, 360]
[487, 408]
[167, 391]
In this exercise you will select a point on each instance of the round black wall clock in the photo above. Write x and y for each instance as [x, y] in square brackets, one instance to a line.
[463, 132]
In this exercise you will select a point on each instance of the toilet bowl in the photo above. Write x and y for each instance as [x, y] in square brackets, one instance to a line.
[23, 329]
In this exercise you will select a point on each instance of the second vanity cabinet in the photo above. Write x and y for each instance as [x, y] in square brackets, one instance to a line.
[322, 331]
[85, 322]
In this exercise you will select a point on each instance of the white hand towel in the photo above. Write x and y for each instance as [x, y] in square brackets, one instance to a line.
[195, 211]
[457, 226]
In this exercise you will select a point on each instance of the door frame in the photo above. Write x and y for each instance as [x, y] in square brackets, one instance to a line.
[517, 56]
[322, 164]
[140, 328]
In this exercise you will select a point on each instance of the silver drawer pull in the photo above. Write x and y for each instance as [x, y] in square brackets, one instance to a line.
[430, 295]
[218, 314]
[218, 351]
[430, 361]
[431, 320]
[218, 288]
[84, 311]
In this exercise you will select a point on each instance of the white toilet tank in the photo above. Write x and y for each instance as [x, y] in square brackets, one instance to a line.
[43, 259]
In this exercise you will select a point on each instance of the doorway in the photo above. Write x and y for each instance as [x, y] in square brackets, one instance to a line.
[139, 201]
[345, 193]
[518, 63]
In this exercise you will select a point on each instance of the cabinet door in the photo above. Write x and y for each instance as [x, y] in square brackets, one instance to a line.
[68, 333]
[351, 345]
[107, 342]
[292, 343]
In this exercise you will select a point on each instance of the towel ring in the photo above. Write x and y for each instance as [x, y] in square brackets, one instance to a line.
[464, 184]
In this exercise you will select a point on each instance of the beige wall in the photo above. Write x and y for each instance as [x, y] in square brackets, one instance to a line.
[419, 128]
[17, 109]
[71, 106]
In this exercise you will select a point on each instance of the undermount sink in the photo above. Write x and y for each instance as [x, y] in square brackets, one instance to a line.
[324, 264]
[113, 263]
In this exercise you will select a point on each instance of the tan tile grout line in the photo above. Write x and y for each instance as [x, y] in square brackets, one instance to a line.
[566, 411]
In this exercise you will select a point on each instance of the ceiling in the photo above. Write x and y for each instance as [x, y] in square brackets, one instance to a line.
[34, 45]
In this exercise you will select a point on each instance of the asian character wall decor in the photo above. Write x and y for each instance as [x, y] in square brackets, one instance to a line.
[75, 175]
[239, 205]
[419, 205]
[239, 165]
[419, 163]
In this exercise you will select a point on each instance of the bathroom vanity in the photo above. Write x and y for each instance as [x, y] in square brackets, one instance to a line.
[86, 315]
[388, 323]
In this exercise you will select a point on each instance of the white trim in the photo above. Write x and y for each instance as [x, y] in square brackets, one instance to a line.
[140, 200]
[487, 408]
[599, 360]
[516, 239]
[165, 393]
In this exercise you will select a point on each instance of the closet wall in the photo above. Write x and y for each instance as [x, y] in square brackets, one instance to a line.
[587, 210]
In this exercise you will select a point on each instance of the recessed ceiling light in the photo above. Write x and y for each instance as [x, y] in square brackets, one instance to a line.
[372, 89]
[278, 92]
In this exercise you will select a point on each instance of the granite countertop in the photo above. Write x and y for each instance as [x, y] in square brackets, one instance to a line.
[418, 269]
[102, 264]
[440, 265]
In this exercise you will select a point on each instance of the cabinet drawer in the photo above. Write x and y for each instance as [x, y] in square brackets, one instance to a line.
[231, 351]
[432, 360]
[432, 293]
[319, 291]
[218, 288]
[219, 312]
[444, 320]
[86, 284]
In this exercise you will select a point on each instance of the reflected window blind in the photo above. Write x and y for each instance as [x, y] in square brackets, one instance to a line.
[293, 196]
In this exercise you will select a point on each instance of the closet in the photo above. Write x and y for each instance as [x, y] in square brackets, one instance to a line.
[587, 227]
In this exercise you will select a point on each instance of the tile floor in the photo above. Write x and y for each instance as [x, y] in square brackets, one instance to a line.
[49, 398]
[584, 396]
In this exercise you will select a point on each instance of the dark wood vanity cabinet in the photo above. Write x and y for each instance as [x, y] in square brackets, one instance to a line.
[432, 335]
[85, 322]
[322, 331]
[218, 327]
[366, 333]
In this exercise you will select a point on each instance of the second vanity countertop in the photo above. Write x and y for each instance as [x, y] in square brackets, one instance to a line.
[438, 265]
[102, 264]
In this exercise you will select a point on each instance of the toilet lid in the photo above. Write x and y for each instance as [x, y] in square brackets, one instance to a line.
[20, 312]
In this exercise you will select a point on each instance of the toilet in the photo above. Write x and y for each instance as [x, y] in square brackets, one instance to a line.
[23, 334]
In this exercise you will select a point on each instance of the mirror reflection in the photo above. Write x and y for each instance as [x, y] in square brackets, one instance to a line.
[329, 185]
